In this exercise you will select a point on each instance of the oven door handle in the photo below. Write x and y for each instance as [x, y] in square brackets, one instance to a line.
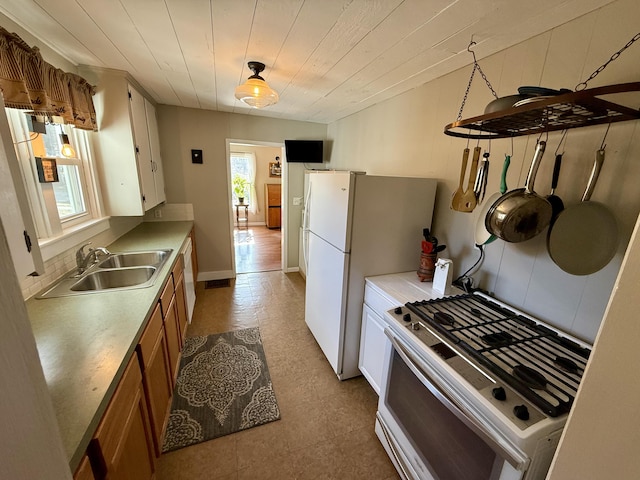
[504, 448]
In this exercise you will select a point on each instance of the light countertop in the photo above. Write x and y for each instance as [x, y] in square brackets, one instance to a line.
[400, 288]
[85, 341]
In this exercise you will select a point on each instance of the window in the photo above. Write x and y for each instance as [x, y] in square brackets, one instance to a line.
[243, 165]
[71, 201]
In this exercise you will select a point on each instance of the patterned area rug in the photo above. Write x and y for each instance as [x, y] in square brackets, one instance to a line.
[223, 386]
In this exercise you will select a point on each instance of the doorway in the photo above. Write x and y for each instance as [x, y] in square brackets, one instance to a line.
[255, 172]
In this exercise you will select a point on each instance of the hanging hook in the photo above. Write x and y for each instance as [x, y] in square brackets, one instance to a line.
[603, 145]
[561, 140]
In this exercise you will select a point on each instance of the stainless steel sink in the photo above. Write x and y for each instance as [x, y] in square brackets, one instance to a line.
[117, 278]
[118, 271]
[135, 259]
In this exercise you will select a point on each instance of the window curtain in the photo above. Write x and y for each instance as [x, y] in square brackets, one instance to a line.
[253, 207]
[29, 83]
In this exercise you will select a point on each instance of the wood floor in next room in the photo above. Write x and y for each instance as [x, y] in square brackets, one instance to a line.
[326, 430]
[257, 249]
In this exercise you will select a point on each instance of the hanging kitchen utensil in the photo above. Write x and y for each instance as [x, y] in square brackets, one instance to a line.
[482, 235]
[584, 237]
[480, 187]
[469, 200]
[520, 214]
[456, 201]
[556, 202]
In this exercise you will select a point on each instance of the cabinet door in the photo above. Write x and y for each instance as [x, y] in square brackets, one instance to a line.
[172, 332]
[156, 376]
[373, 343]
[154, 148]
[181, 307]
[122, 443]
[143, 148]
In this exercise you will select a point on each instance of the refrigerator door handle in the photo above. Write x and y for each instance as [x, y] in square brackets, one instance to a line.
[305, 228]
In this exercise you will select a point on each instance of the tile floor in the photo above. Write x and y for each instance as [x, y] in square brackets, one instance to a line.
[326, 426]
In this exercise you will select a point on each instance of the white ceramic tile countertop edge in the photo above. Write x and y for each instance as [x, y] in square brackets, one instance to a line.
[400, 288]
[85, 341]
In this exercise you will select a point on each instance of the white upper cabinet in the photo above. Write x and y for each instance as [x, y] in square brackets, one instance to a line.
[127, 145]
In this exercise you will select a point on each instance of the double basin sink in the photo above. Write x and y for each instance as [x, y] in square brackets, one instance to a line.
[117, 271]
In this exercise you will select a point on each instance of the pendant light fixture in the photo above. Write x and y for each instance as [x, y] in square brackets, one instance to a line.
[255, 92]
[66, 150]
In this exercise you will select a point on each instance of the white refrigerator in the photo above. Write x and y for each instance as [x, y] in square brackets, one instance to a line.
[356, 225]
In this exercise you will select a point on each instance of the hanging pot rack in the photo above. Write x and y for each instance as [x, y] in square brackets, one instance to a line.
[581, 108]
[559, 112]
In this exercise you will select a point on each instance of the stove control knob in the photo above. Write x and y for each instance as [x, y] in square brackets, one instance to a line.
[521, 412]
[415, 326]
[398, 310]
[499, 394]
[406, 317]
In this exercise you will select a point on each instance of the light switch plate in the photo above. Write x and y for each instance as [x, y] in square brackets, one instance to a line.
[196, 156]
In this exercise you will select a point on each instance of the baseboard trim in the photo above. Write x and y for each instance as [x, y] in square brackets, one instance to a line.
[219, 275]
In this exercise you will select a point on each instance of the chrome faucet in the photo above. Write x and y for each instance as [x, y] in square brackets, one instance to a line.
[84, 261]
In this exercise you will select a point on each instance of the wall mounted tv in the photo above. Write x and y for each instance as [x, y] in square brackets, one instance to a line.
[303, 151]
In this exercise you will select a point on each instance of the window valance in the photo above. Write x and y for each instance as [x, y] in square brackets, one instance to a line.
[29, 83]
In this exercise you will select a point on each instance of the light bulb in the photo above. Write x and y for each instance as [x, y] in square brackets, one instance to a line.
[66, 150]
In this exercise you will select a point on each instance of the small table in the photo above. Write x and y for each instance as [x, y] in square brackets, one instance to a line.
[244, 219]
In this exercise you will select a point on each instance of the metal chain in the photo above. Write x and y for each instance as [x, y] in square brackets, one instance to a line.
[583, 85]
[466, 93]
[486, 80]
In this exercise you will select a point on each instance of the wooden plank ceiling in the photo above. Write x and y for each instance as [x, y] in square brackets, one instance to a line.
[327, 59]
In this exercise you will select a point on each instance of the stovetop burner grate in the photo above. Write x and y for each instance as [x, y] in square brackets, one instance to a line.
[514, 348]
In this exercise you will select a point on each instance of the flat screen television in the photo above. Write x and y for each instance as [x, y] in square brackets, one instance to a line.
[303, 151]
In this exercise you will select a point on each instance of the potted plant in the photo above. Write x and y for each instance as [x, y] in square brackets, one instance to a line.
[239, 187]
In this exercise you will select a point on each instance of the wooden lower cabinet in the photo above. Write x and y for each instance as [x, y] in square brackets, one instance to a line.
[129, 436]
[174, 345]
[156, 375]
[122, 447]
[84, 471]
[181, 307]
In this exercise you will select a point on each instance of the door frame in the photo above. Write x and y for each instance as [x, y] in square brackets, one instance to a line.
[284, 195]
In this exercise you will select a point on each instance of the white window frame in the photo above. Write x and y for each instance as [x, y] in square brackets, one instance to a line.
[54, 235]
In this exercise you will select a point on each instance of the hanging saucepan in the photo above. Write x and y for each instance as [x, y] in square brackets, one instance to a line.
[520, 214]
[584, 237]
[482, 235]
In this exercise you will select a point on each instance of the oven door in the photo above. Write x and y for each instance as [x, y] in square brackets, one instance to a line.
[430, 431]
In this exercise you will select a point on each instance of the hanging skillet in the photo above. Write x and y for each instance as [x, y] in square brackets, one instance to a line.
[584, 237]
[520, 214]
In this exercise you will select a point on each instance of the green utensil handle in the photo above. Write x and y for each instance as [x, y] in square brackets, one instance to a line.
[503, 179]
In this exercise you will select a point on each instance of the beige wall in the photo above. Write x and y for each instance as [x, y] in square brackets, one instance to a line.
[206, 186]
[404, 136]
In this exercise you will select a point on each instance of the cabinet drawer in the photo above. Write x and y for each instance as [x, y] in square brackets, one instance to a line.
[84, 471]
[177, 269]
[165, 298]
[378, 302]
[148, 339]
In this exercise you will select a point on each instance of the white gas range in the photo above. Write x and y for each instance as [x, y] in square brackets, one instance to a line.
[473, 389]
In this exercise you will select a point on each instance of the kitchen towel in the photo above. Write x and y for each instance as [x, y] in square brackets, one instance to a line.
[223, 386]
